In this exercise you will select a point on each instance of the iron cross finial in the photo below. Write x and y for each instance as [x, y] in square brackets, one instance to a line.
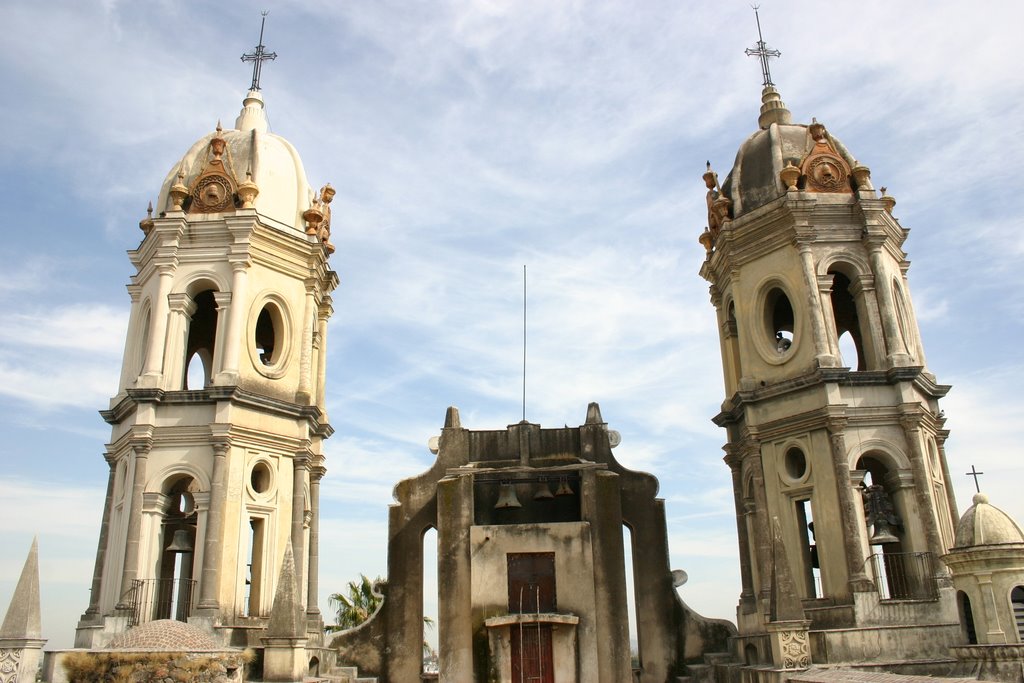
[259, 55]
[762, 51]
[975, 473]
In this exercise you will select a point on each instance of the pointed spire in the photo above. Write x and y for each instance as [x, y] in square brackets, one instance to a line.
[22, 621]
[785, 605]
[451, 418]
[287, 616]
[594, 414]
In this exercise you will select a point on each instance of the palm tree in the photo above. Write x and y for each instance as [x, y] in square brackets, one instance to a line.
[358, 605]
[363, 599]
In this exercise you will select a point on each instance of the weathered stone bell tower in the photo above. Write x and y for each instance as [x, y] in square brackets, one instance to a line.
[215, 452]
[835, 436]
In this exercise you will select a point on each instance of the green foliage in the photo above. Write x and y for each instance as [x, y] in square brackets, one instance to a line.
[357, 605]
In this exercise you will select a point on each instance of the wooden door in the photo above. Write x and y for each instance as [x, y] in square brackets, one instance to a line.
[532, 661]
[531, 583]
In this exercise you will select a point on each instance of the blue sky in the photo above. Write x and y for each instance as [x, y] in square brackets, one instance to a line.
[466, 139]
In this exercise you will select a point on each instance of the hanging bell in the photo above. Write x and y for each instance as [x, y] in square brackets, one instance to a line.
[883, 534]
[507, 498]
[543, 491]
[563, 487]
[181, 543]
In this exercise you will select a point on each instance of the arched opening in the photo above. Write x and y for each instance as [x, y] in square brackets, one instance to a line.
[635, 648]
[966, 618]
[314, 667]
[732, 346]
[750, 656]
[779, 320]
[143, 341]
[430, 601]
[1017, 602]
[811, 574]
[174, 586]
[202, 333]
[253, 603]
[844, 312]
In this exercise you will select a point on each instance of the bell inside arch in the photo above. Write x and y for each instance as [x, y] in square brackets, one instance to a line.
[181, 542]
[883, 534]
[507, 498]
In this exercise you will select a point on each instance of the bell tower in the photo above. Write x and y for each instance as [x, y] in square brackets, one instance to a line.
[835, 436]
[217, 427]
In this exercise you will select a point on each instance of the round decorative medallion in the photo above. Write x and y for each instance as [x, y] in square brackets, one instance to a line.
[826, 173]
[211, 194]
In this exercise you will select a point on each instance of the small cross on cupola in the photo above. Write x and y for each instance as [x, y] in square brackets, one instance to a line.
[762, 51]
[258, 56]
[975, 474]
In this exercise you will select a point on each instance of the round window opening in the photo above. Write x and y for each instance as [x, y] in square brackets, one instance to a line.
[796, 463]
[259, 479]
[266, 335]
[779, 320]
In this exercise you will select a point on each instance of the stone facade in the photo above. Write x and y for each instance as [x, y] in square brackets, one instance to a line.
[215, 455]
[530, 526]
[833, 422]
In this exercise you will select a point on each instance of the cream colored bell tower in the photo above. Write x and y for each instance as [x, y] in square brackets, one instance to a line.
[215, 453]
[835, 436]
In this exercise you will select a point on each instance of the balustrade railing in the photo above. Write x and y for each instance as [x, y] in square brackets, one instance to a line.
[151, 599]
[903, 576]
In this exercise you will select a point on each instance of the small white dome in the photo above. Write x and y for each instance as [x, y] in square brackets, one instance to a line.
[985, 524]
[284, 191]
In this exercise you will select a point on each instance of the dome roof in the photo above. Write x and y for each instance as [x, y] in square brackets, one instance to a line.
[756, 175]
[275, 167]
[985, 524]
[164, 635]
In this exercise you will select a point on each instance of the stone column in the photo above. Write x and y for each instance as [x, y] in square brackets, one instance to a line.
[325, 312]
[895, 350]
[752, 455]
[455, 623]
[734, 460]
[940, 444]
[851, 523]
[213, 551]
[813, 304]
[876, 356]
[236, 322]
[300, 465]
[305, 391]
[316, 473]
[182, 308]
[153, 369]
[132, 354]
[223, 301]
[829, 315]
[130, 569]
[101, 547]
[922, 492]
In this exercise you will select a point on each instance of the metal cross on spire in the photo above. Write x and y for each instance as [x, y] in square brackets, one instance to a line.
[762, 51]
[975, 473]
[258, 56]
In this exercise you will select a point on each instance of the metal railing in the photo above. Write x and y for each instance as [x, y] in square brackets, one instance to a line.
[903, 576]
[152, 599]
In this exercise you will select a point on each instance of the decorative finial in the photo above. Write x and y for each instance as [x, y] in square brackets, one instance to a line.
[762, 51]
[219, 129]
[146, 224]
[259, 55]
